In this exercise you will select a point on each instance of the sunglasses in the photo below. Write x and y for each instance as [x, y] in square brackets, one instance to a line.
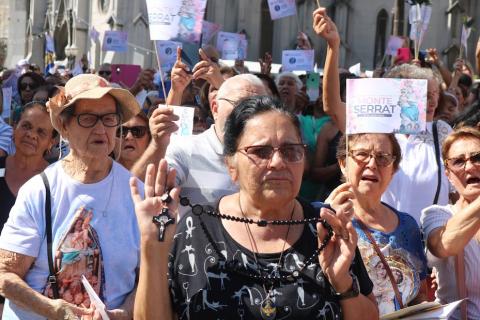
[105, 73]
[364, 156]
[137, 131]
[458, 164]
[294, 152]
[24, 86]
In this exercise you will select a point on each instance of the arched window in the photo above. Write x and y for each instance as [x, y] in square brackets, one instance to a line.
[380, 37]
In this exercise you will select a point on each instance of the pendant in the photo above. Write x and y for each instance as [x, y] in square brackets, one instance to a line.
[268, 309]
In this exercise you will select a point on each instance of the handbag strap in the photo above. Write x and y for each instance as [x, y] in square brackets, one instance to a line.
[437, 158]
[384, 262]
[460, 277]
[52, 277]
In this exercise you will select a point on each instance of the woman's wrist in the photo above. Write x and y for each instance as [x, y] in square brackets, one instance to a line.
[342, 285]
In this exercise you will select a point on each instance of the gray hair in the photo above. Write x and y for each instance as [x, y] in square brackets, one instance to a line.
[292, 75]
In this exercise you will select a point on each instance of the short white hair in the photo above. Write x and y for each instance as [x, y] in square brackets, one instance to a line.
[238, 82]
[292, 75]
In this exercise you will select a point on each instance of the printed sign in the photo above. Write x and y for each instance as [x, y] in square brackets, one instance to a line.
[386, 105]
[297, 60]
[185, 121]
[167, 52]
[176, 19]
[209, 30]
[115, 41]
[232, 45]
[394, 43]
[282, 8]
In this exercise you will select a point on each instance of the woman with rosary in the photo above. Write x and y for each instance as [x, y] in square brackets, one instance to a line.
[260, 253]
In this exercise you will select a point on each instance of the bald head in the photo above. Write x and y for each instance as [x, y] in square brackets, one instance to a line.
[241, 86]
[232, 91]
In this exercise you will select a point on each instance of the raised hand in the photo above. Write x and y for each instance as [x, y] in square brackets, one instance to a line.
[157, 183]
[266, 63]
[162, 125]
[432, 57]
[337, 256]
[180, 74]
[208, 70]
[325, 28]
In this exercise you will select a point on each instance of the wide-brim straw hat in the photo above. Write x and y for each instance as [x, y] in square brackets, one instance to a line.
[90, 87]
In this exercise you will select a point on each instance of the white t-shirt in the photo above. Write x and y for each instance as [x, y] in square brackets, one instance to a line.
[414, 185]
[437, 216]
[113, 219]
[201, 170]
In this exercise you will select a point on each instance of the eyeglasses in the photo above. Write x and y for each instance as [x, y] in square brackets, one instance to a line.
[104, 72]
[458, 164]
[25, 85]
[89, 120]
[364, 156]
[293, 152]
[232, 102]
[137, 131]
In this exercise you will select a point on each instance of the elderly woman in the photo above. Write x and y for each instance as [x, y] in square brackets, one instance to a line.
[420, 181]
[91, 235]
[389, 240]
[134, 137]
[289, 84]
[33, 136]
[260, 253]
[452, 231]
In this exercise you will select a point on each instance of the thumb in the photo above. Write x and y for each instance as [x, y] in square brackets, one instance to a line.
[203, 55]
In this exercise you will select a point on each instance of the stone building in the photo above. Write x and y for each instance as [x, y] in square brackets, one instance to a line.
[364, 26]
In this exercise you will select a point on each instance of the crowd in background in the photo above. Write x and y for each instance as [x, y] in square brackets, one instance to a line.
[405, 193]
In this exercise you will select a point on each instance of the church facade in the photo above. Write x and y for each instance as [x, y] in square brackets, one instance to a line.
[364, 27]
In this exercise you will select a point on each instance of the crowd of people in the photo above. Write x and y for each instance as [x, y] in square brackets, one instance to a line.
[268, 211]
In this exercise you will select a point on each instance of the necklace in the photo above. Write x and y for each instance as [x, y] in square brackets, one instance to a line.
[268, 308]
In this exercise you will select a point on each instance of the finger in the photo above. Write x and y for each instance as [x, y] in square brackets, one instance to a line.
[149, 181]
[79, 311]
[341, 188]
[332, 220]
[203, 55]
[160, 181]
[201, 65]
[172, 173]
[134, 190]
[179, 54]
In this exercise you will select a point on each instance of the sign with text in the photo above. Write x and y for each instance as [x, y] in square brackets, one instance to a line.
[176, 19]
[167, 52]
[282, 8]
[185, 123]
[297, 60]
[115, 41]
[231, 45]
[381, 105]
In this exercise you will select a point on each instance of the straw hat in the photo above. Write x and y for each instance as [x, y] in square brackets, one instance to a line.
[90, 86]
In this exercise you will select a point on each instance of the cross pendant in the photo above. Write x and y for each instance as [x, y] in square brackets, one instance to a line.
[162, 220]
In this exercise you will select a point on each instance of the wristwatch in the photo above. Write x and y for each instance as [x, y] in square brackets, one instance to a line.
[350, 293]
